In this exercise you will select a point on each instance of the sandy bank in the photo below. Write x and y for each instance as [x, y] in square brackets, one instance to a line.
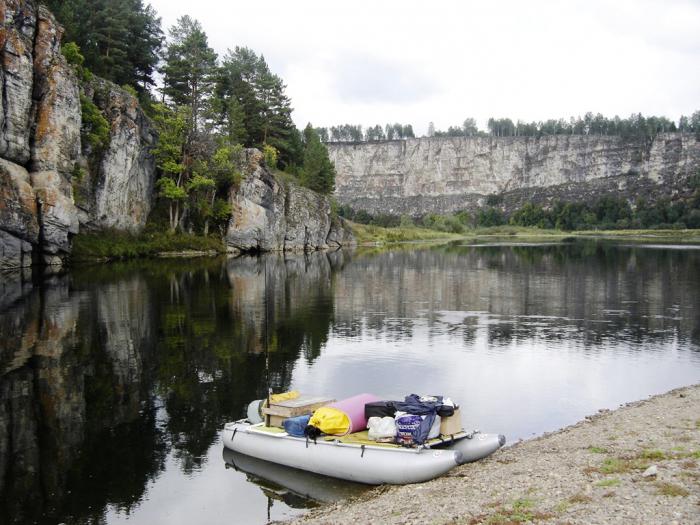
[596, 471]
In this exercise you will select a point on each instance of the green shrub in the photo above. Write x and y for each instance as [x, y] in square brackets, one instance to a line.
[270, 154]
[95, 128]
[71, 52]
[131, 90]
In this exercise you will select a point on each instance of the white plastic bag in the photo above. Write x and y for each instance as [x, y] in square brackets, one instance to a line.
[381, 428]
[434, 428]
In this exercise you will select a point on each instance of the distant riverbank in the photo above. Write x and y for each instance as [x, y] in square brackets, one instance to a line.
[636, 464]
[105, 246]
[370, 234]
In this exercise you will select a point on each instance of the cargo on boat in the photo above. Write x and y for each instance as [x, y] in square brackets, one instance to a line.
[337, 443]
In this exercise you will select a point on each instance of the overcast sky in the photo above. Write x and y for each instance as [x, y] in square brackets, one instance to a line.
[369, 62]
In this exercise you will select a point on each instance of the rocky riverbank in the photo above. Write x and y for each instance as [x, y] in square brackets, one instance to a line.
[637, 464]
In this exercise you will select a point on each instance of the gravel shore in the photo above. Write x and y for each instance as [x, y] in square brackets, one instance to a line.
[637, 464]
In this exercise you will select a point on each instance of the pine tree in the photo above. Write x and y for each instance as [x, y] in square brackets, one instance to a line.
[189, 70]
[245, 80]
[318, 172]
[120, 39]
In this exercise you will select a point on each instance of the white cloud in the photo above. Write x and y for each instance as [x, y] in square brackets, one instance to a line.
[413, 62]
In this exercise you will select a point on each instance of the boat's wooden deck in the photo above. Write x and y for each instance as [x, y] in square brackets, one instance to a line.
[362, 438]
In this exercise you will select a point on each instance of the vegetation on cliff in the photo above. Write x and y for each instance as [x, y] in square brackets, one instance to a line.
[209, 111]
[119, 39]
[212, 107]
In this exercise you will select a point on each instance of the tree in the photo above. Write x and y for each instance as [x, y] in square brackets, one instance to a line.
[318, 172]
[323, 134]
[374, 133]
[172, 129]
[202, 192]
[263, 109]
[209, 187]
[120, 39]
[470, 128]
[190, 65]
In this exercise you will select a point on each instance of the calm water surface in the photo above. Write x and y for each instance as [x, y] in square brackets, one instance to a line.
[114, 379]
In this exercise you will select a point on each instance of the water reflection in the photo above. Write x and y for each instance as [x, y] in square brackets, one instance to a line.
[297, 488]
[114, 379]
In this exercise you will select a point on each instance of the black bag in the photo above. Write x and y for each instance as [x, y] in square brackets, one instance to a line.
[379, 409]
[445, 410]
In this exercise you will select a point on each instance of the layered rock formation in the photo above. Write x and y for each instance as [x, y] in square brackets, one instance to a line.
[40, 136]
[440, 175]
[118, 190]
[272, 215]
[40, 146]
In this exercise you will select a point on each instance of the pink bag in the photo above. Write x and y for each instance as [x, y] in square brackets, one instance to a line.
[354, 408]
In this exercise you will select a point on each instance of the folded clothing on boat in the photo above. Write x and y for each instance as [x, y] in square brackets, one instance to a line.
[294, 426]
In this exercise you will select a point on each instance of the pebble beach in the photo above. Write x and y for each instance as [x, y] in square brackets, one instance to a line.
[639, 464]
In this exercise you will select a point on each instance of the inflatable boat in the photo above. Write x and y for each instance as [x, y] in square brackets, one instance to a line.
[356, 458]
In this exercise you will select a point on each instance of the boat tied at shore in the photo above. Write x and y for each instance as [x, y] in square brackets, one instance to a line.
[424, 445]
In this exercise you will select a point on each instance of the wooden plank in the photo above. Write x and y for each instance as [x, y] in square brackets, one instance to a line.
[296, 407]
[302, 401]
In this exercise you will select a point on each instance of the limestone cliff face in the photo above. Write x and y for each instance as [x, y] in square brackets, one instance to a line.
[117, 192]
[40, 136]
[40, 146]
[269, 215]
[440, 175]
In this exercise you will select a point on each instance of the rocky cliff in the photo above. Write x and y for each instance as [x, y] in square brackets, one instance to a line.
[41, 156]
[270, 214]
[117, 188]
[440, 175]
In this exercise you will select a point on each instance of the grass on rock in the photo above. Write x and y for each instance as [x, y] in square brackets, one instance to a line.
[670, 489]
[120, 245]
[609, 482]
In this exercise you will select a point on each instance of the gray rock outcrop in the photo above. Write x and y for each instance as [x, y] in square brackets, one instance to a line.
[40, 136]
[271, 215]
[41, 151]
[117, 192]
[442, 175]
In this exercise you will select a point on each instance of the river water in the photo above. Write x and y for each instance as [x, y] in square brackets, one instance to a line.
[115, 378]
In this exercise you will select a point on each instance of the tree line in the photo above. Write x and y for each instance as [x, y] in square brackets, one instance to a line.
[605, 213]
[355, 133]
[636, 126]
[206, 110]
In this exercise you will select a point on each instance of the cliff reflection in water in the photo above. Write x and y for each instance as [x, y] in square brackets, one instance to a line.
[592, 291]
[108, 370]
[112, 374]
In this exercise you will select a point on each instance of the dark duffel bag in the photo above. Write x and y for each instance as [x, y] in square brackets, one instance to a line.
[379, 409]
[445, 410]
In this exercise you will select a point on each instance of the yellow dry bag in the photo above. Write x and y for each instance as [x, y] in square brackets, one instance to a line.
[331, 421]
